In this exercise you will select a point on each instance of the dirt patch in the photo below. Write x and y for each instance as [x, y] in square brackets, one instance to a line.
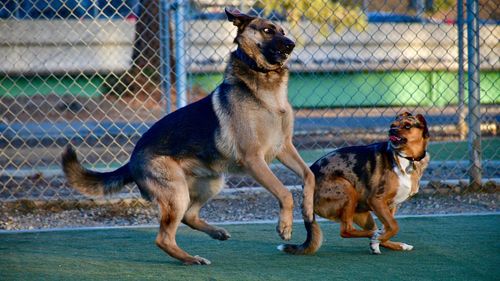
[243, 206]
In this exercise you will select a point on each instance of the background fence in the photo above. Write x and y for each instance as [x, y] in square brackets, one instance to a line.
[99, 73]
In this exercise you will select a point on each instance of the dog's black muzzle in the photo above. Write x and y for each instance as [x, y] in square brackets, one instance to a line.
[278, 49]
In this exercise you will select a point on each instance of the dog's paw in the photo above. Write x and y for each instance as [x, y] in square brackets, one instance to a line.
[284, 231]
[375, 248]
[406, 247]
[375, 243]
[197, 260]
[220, 234]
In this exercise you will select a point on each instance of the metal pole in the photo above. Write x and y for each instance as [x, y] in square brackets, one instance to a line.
[474, 94]
[165, 52]
[461, 111]
[180, 54]
[420, 7]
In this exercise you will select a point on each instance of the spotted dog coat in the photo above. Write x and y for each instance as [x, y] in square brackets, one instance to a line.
[352, 182]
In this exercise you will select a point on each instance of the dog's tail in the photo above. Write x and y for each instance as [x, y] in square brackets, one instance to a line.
[312, 243]
[90, 182]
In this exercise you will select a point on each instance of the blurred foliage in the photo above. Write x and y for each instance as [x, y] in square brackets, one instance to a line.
[326, 14]
[334, 14]
[441, 5]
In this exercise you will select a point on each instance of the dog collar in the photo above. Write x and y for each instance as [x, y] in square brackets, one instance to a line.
[412, 160]
[251, 63]
[411, 165]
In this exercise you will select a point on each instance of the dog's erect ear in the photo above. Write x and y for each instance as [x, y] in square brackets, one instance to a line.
[423, 122]
[239, 19]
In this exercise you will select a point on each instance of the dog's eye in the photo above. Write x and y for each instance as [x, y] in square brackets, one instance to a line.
[407, 127]
[268, 31]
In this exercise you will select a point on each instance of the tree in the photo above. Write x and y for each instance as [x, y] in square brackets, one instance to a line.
[327, 14]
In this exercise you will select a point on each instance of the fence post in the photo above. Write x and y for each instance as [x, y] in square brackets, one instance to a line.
[461, 110]
[165, 51]
[180, 54]
[474, 94]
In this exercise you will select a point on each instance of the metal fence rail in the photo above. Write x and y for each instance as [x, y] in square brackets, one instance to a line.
[99, 73]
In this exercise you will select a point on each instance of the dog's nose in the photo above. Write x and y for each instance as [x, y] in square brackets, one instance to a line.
[289, 44]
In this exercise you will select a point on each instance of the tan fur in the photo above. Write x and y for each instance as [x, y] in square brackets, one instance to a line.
[342, 194]
[254, 126]
[249, 36]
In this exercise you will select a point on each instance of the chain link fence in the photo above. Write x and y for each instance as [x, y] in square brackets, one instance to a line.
[98, 74]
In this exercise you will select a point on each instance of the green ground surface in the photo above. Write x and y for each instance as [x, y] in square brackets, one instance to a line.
[446, 248]
[306, 90]
[439, 151]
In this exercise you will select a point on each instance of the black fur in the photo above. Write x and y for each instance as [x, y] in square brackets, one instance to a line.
[196, 139]
[365, 159]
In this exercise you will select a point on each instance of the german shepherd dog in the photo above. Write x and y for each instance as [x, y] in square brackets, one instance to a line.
[352, 182]
[243, 125]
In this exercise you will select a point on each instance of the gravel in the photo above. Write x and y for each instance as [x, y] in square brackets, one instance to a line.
[241, 205]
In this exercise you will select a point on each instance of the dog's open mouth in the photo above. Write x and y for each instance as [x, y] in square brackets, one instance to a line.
[394, 138]
[277, 56]
[397, 140]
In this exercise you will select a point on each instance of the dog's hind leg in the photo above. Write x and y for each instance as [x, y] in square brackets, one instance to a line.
[201, 190]
[347, 230]
[172, 209]
[365, 220]
[165, 181]
[336, 199]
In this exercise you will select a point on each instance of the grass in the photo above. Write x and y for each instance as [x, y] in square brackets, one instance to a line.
[446, 248]
[440, 151]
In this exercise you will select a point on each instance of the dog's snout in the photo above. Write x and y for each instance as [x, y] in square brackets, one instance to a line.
[289, 44]
[283, 44]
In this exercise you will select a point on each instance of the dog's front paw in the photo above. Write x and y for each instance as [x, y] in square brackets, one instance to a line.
[284, 230]
[396, 246]
[375, 243]
[197, 260]
[406, 247]
[375, 248]
[220, 234]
